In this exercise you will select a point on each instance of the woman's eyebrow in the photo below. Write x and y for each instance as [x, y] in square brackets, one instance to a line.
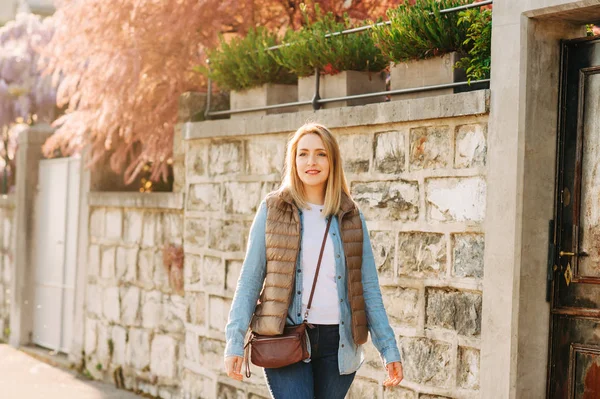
[316, 149]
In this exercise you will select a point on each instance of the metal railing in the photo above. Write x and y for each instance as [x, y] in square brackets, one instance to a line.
[317, 101]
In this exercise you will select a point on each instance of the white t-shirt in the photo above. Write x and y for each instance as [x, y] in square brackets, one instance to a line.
[325, 305]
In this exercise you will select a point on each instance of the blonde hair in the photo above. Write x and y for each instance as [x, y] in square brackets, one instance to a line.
[336, 182]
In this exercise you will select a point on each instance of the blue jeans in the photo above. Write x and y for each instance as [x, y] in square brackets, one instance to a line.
[320, 378]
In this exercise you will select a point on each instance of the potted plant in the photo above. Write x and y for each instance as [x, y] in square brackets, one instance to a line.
[423, 45]
[477, 63]
[348, 64]
[243, 66]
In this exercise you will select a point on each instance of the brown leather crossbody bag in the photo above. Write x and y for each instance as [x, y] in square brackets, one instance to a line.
[274, 351]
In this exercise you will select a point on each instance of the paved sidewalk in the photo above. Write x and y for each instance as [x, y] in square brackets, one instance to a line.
[23, 377]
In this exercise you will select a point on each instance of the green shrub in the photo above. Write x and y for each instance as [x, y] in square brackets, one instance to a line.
[414, 33]
[477, 62]
[309, 48]
[243, 63]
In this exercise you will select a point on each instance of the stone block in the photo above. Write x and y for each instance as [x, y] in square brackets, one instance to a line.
[174, 314]
[103, 352]
[430, 147]
[149, 229]
[372, 356]
[93, 295]
[192, 269]
[219, 311]
[152, 309]
[114, 223]
[225, 158]
[130, 306]
[467, 255]
[468, 368]
[97, 222]
[93, 265]
[471, 146]
[108, 262]
[163, 359]
[401, 304]
[362, 388]
[427, 396]
[133, 226]
[192, 351]
[91, 336]
[211, 352]
[172, 224]
[265, 155]
[197, 306]
[398, 393]
[233, 268]
[138, 349]
[111, 307]
[119, 345]
[226, 391]
[384, 245]
[126, 267]
[388, 200]
[196, 158]
[266, 94]
[421, 254]
[227, 235]
[456, 199]
[345, 83]
[390, 152]
[206, 197]
[213, 273]
[242, 198]
[426, 361]
[357, 149]
[161, 274]
[268, 187]
[146, 268]
[196, 385]
[453, 309]
[195, 232]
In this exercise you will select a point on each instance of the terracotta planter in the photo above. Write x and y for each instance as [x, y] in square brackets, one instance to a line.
[345, 83]
[429, 72]
[267, 94]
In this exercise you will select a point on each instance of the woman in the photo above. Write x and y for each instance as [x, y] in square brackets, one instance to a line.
[289, 227]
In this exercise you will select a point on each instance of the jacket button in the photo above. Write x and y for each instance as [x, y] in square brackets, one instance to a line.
[337, 255]
[342, 323]
[299, 314]
[341, 300]
[299, 270]
[299, 292]
[342, 345]
[333, 233]
[339, 277]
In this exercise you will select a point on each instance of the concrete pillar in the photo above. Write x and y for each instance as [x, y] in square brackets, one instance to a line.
[28, 156]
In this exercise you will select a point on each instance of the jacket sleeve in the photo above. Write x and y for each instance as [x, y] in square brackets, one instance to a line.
[248, 286]
[382, 334]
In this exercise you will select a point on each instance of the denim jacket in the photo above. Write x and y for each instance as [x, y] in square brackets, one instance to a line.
[250, 282]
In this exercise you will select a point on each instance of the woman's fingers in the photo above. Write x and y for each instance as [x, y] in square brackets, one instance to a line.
[395, 374]
[233, 366]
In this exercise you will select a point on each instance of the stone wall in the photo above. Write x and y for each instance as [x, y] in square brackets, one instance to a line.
[134, 319]
[417, 170]
[6, 258]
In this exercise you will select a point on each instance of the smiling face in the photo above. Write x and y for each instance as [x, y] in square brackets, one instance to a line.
[312, 161]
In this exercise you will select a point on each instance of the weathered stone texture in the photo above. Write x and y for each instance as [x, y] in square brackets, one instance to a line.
[111, 304]
[421, 254]
[97, 222]
[225, 391]
[114, 223]
[163, 356]
[227, 235]
[456, 199]
[119, 345]
[219, 311]
[195, 232]
[363, 388]
[192, 269]
[468, 255]
[213, 272]
[383, 243]
[455, 310]
[242, 198]
[430, 147]
[130, 306]
[390, 152]
[265, 155]
[233, 269]
[398, 393]
[401, 304]
[471, 146]
[108, 263]
[196, 158]
[93, 265]
[133, 226]
[225, 158]
[388, 200]
[204, 197]
[357, 152]
[152, 309]
[426, 361]
[468, 368]
[138, 349]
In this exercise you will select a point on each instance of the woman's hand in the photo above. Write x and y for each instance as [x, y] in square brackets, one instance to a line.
[233, 367]
[395, 374]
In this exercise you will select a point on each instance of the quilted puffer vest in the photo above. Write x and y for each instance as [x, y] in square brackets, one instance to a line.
[283, 242]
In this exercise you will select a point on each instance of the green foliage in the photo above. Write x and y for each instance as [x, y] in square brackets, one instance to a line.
[589, 30]
[111, 346]
[243, 63]
[99, 366]
[7, 332]
[420, 31]
[477, 62]
[309, 48]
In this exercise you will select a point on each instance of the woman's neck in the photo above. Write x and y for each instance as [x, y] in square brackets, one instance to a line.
[315, 195]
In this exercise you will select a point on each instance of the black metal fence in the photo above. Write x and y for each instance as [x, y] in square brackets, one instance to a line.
[317, 101]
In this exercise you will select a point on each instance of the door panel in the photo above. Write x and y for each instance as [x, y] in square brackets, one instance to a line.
[574, 371]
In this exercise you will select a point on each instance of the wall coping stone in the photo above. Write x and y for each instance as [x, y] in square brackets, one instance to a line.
[7, 201]
[136, 200]
[434, 107]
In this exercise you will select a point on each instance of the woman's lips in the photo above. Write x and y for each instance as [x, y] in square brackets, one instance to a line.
[312, 172]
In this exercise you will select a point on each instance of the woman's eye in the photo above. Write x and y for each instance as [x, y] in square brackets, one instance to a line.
[322, 154]
[301, 154]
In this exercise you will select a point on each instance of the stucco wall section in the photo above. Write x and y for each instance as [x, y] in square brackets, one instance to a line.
[6, 260]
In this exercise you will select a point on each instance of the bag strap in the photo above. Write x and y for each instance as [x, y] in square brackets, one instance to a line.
[312, 291]
[247, 359]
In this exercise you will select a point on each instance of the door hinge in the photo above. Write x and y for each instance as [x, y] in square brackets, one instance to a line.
[551, 267]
